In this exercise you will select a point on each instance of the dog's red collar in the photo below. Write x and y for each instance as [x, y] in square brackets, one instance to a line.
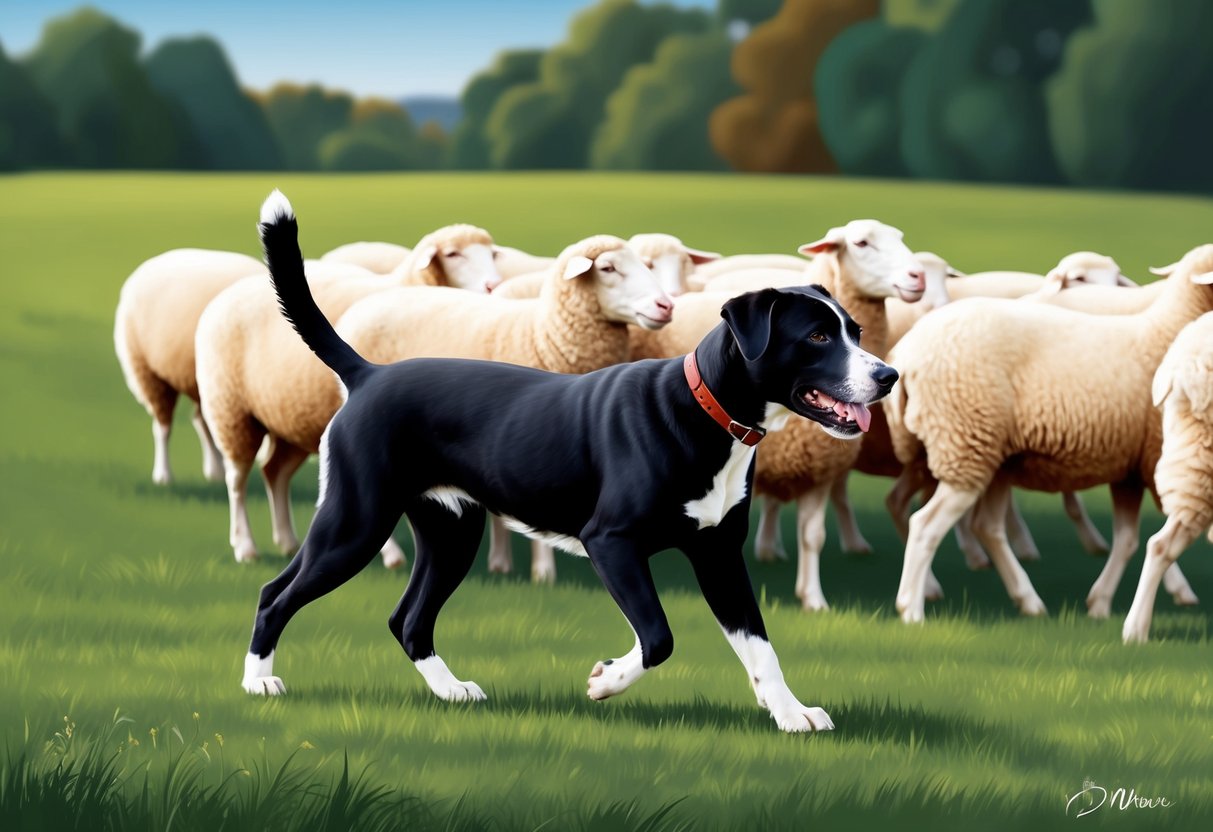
[742, 433]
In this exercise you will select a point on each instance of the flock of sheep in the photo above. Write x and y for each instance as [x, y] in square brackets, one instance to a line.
[1058, 383]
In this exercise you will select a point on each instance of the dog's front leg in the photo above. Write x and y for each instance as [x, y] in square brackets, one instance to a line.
[725, 583]
[625, 573]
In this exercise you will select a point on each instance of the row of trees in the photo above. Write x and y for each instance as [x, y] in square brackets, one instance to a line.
[1091, 92]
[85, 98]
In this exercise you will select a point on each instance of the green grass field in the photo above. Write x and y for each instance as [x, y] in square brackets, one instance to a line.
[124, 619]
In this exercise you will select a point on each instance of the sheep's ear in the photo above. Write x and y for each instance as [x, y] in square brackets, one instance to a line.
[1163, 271]
[955, 272]
[424, 256]
[700, 257]
[1203, 279]
[749, 318]
[577, 266]
[834, 239]
[1162, 385]
[1121, 280]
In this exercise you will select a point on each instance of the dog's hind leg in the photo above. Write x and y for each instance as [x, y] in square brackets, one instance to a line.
[446, 543]
[624, 571]
[359, 510]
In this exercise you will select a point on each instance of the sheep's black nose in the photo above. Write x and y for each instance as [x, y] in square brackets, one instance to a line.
[885, 376]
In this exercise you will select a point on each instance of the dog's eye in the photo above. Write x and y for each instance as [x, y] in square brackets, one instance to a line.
[607, 268]
[819, 338]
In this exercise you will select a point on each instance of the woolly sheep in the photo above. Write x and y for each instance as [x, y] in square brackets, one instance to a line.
[512, 262]
[1183, 479]
[158, 311]
[708, 272]
[1005, 411]
[258, 380]
[1079, 267]
[579, 322]
[379, 258]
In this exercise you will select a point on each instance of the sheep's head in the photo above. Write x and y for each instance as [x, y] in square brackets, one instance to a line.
[457, 255]
[1089, 268]
[624, 287]
[937, 273]
[671, 260]
[875, 258]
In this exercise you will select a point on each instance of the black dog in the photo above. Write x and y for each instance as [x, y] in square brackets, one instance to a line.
[617, 464]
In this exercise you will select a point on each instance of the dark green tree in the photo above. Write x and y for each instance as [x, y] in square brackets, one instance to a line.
[230, 126]
[28, 133]
[381, 136]
[469, 148]
[549, 123]
[752, 12]
[857, 83]
[658, 118]
[1133, 103]
[108, 112]
[972, 101]
[302, 118]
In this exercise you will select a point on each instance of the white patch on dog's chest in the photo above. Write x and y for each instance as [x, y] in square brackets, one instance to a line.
[728, 488]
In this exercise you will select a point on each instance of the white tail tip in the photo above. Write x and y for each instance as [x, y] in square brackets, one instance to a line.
[276, 207]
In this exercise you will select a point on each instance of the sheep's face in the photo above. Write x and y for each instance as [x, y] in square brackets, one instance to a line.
[875, 258]
[470, 267]
[670, 260]
[937, 273]
[627, 290]
[802, 352]
[1087, 267]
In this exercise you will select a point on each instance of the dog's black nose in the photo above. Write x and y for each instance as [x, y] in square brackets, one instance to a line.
[885, 377]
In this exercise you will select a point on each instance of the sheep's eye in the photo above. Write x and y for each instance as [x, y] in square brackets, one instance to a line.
[453, 254]
[818, 338]
[648, 262]
[496, 254]
[861, 244]
[606, 268]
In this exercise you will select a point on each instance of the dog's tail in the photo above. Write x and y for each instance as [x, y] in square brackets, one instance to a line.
[280, 238]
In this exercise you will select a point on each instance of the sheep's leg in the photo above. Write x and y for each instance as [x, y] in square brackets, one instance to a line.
[501, 558]
[1020, 536]
[1178, 587]
[811, 524]
[392, 554]
[280, 465]
[993, 511]
[899, 500]
[240, 535]
[975, 556]
[1088, 535]
[161, 473]
[928, 526]
[543, 563]
[1162, 550]
[212, 460]
[238, 437]
[849, 535]
[768, 541]
[1126, 510]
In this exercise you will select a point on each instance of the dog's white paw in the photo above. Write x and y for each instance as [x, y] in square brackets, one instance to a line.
[801, 718]
[458, 691]
[264, 686]
[604, 682]
[444, 684]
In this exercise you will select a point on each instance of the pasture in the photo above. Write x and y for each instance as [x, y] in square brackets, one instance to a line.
[124, 620]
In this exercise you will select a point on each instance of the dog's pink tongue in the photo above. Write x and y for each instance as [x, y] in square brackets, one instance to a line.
[861, 415]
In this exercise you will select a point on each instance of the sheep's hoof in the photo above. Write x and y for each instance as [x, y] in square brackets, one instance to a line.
[500, 567]
[544, 575]
[289, 548]
[859, 547]
[245, 552]
[769, 555]
[1033, 607]
[1185, 597]
[1135, 631]
[1099, 607]
[1029, 556]
[162, 477]
[815, 603]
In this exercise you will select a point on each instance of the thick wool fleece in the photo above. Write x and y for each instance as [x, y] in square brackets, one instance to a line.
[411, 273]
[376, 257]
[1183, 478]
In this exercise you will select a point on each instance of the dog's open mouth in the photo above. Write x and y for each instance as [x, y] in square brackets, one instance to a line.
[847, 417]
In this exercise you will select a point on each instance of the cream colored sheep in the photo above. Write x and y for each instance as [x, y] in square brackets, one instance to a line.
[1079, 267]
[1005, 411]
[257, 379]
[379, 258]
[522, 287]
[708, 272]
[861, 264]
[1183, 479]
[579, 322]
[158, 311]
[512, 262]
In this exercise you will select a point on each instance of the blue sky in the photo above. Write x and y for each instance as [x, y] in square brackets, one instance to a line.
[369, 47]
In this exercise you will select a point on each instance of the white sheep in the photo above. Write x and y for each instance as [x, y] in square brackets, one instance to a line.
[708, 272]
[513, 262]
[158, 311]
[579, 322]
[1183, 479]
[258, 380]
[1085, 267]
[1014, 408]
[380, 258]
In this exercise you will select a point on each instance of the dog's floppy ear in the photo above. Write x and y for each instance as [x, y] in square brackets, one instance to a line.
[577, 266]
[749, 318]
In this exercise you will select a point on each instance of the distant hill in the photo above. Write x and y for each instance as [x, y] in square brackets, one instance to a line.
[423, 108]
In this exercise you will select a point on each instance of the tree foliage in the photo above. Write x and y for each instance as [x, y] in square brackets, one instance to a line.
[29, 135]
[302, 118]
[1131, 106]
[774, 125]
[469, 145]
